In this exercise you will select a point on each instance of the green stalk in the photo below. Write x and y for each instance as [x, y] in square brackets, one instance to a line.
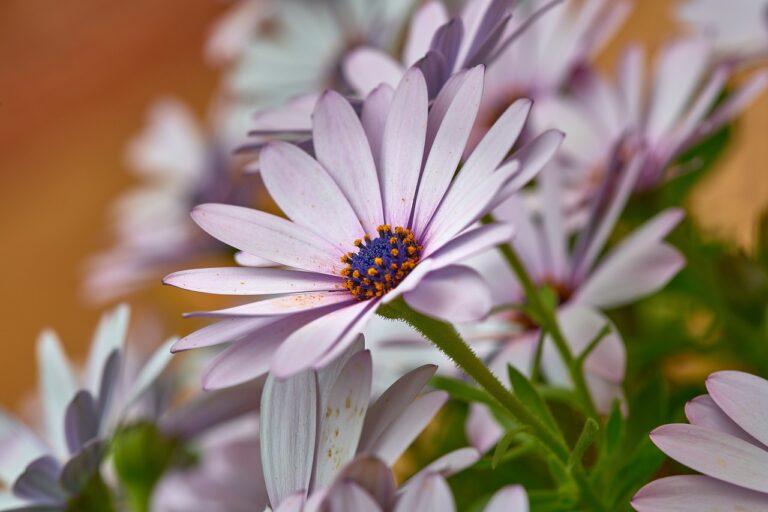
[553, 328]
[446, 338]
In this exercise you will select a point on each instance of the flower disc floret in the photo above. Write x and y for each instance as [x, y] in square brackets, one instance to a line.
[381, 263]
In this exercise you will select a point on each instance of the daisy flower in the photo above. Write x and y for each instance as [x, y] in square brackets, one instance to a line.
[79, 413]
[584, 283]
[727, 441]
[180, 165]
[739, 28]
[300, 45]
[318, 433]
[675, 114]
[378, 215]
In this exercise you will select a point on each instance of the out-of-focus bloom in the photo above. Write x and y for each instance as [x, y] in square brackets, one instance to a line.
[182, 166]
[299, 46]
[318, 433]
[739, 28]
[378, 215]
[583, 283]
[727, 441]
[78, 415]
[677, 112]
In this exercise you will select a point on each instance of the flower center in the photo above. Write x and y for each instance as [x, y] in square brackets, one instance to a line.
[381, 263]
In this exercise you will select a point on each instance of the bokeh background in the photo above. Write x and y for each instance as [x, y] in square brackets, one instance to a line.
[75, 80]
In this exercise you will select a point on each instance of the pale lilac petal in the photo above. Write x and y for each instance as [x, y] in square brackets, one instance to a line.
[328, 373]
[450, 138]
[472, 242]
[704, 412]
[429, 494]
[454, 293]
[630, 82]
[308, 344]
[696, 493]
[715, 454]
[424, 24]
[287, 434]
[391, 404]
[449, 464]
[269, 236]
[151, 370]
[308, 194]
[251, 281]
[401, 433]
[342, 147]
[638, 266]
[57, 385]
[366, 68]
[531, 159]
[483, 431]
[81, 422]
[341, 418]
[373, 476]
[246, 359]
[556, 238]
[374, 118]
[673, 90]
[249, 260]
[511, 498]
[18, 446]
[283, 305]
[349, 340]
[447, 43]
[495, 145]
[349, 497]
[292, 503]
[744, 398]
[403, 147]
[220, 332]
[110, 336]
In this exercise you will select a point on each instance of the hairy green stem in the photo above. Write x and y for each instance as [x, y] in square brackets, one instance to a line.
[552, 327]
[446, 338]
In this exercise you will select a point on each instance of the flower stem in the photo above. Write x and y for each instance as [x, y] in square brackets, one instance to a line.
[553, 328]
[446, 338]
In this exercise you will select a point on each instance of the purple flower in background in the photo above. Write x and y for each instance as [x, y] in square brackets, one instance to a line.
[79, 414]
[727, 441]
[739, 28]
[583, 282]
[181, 166]
[674, 115]
[377, 216]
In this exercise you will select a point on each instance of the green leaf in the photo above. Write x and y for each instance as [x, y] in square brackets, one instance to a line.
[503, 445]
[527, 394]
[586, 438]
[463, 391]
[614, 428]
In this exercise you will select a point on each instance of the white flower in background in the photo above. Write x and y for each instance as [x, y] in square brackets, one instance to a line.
[79, 412]
[739, 28]
[179, 165]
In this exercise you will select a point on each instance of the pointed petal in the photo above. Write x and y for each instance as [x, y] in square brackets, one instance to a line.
[744, 398]
[403, 147]
[283, 305]
[341, 419]
[366, 68]
[374, 118]
[81, 422]
[308, 194]
[39, 483]
[400, 434]
[110, 336]
[696, 493]
[250, 281]
[269, 236]
[221, 332]
[511, 498]
[429, 494]
[437, 295]
[374, 477]
[715, 454]
[349, 497]
[424, 24]
[287, 434]
[704, 412]
[451, 134]
[57, 385]
[343, 149]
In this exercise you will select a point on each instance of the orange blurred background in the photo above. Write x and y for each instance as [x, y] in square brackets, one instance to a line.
[75, 80]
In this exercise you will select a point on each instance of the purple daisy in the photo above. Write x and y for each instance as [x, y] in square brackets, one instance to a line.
[727, 441]
[378, 215]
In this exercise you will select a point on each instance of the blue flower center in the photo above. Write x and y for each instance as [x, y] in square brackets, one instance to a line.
[381, 263]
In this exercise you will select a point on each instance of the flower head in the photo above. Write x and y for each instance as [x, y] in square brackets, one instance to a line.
[377, 215]
[727, 441]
